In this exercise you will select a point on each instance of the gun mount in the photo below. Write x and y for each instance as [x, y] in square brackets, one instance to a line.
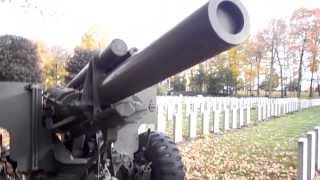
[89, 129]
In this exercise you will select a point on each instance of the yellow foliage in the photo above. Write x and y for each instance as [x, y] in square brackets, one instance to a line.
[234, 57]
[52, 66]
[88, 41]
[94, 38]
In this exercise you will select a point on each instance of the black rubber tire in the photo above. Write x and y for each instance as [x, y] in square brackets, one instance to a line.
[164, 155]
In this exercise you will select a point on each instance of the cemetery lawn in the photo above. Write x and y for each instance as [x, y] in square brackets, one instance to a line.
[266, 150]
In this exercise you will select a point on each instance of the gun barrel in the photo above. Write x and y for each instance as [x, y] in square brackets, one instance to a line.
[214, 28]
[114, 54]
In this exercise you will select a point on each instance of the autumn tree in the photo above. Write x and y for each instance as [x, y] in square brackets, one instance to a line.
[234, 63]
[279, 46]
[248, 65]
[178, 83]
[293, 85]
[94, 39]
[198, 80]
[88, 41]
[259, 48]
[274, 37]
[299, 26]
[53, 64]
[313, 45]
[91, 43]
[236, 57]
[221, 82]
[274, 81]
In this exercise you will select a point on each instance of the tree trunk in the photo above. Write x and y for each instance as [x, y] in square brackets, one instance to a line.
[300, 67]
[251, 81]
[313, 69]
[281, 74]
[271, 68]
[258, 76]
[311, 85]
[318, 89]
[236, 88]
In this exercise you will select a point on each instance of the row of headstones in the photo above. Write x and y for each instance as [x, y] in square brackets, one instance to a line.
[236, 112]
[277, 107]
[309, 155]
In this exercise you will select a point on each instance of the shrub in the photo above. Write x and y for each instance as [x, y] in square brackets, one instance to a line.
[19, 60]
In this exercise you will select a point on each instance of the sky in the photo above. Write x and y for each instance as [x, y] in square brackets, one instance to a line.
[139, 22]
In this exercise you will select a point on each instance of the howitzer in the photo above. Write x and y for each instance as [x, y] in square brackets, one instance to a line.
[89, 129]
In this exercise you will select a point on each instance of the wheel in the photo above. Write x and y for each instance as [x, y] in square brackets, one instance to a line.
[165, 158]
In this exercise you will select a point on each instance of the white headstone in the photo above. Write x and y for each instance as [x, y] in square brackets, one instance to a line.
[265, 111]
[171, 110]
[206, 121]
[311, 155]
[302, 159]
[248, 115]
[178, 123]
[216, 124]
[259, 109]
[317, 147]
[234, 118]
[226, 118]
[162, 118]
[193, 124]
[241, 117]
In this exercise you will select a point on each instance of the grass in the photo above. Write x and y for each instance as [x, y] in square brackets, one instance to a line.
[267, 150]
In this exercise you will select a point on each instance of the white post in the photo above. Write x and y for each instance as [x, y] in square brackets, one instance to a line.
[241, 114]
[248, 114]
[275, 108]
[259, 108]
[178, 122]
[226, 118]
[205, 125]
[317, 146]
[193, 121]
[272, 108]
[290, 106]
[268, 110]
[234, 117]
[170, 110]
[216, 124]
[206, 120]
[264, 111]
[311, 155]
[302, 159]
[162, 118]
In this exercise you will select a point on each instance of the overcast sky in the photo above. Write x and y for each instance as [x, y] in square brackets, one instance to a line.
[139, 22]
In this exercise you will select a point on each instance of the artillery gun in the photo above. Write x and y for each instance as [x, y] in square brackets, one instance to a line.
[89, 129]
